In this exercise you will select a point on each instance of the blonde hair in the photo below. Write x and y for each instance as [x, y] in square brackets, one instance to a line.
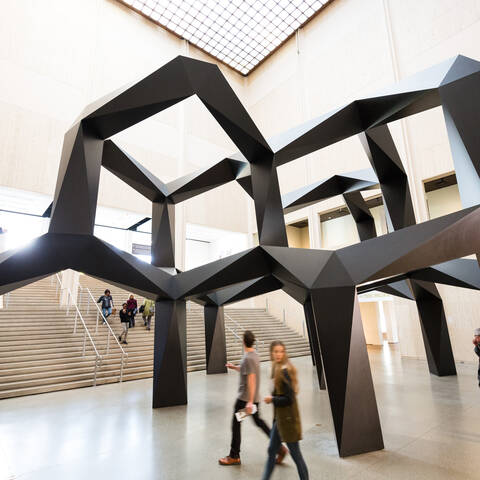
[277, 368]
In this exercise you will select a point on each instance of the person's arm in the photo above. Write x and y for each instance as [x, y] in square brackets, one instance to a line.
[477, 350]
[100, 299]
[287, 398]
[231, 366]
[252, 387]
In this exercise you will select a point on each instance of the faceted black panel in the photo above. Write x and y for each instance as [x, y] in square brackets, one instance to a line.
[215, 344]
[170, 354]
[434, 328]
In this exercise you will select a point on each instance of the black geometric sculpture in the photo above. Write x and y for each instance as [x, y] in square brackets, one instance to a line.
[324, 282]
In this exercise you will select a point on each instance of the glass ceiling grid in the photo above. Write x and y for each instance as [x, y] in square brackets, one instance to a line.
[239, 33]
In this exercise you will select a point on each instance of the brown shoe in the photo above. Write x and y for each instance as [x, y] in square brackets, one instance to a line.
[229, 461]
[281, 455]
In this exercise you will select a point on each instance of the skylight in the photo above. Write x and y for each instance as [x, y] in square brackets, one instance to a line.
[239, 33]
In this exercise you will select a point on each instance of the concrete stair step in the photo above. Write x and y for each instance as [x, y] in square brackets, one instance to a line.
[40, 353]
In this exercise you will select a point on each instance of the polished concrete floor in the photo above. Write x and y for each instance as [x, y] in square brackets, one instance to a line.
[431, 429]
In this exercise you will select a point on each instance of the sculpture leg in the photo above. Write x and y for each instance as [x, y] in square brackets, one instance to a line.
[170, 354]
[215, 345]
[347, 370]
[434, 328]
[314, 345]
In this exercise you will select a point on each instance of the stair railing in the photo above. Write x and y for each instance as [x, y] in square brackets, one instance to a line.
[111, 333]
[258, 343]
[86, 334]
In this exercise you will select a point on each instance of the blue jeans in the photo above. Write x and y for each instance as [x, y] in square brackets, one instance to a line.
[275, 442]
[106, 311]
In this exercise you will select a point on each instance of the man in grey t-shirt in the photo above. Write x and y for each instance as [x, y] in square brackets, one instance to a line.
[248, 394]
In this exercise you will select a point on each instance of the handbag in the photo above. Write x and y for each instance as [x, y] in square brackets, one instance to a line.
[142, 308]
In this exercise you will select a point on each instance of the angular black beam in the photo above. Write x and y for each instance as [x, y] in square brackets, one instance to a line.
[314, 343]
[461, 272]
[361, 214]
[48, 211]
[385, 160]
[163, 234]
[347, 370]
[329, 187]
[170, 354]
[215, 344]
[134, 227]
[434, 328]
[461, 104]
[268, 203]
[76, 192]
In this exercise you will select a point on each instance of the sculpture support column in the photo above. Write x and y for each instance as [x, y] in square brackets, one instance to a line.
[268, 204]
[215, 344]
[314, 345]
[170, 354]
[385, 160]
[163, 234]
[434, 328]
[347, 370]
[361, 214]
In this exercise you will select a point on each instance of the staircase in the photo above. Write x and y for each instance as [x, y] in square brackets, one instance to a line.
[40, 353]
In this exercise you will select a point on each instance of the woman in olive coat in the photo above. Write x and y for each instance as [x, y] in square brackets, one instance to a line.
[286, 424]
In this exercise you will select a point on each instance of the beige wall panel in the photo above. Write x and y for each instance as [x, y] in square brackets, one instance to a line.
[30, 147]
[409, 331]
[461, 309]
[223, 208]
[443, 201]
[279, 110]
[339, 232]
[370, 321]
[274, 72]
[200, 123]
[201, 153]
[292, 176]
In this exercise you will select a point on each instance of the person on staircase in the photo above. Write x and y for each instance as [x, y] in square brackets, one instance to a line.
[476, 342]
[107, 303]
[248, 398]
[147, 310]
[132, 309]
[286, 424]
[125, 320]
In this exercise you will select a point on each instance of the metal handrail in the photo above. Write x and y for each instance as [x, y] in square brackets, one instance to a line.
[233, 332]
[110, 330]
[98, 357]
[258, 342]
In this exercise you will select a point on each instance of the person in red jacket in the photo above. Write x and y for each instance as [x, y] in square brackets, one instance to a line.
[132, 310]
